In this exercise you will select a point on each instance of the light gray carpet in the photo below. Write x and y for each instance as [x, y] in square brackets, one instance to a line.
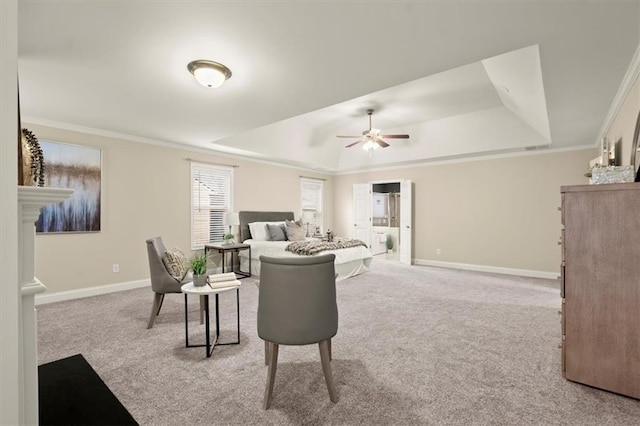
[415, 345]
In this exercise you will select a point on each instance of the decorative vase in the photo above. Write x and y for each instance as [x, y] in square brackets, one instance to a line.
[229, 241]
[30, 160]
[199, 280]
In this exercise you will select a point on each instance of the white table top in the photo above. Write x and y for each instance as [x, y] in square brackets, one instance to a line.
[189, 288]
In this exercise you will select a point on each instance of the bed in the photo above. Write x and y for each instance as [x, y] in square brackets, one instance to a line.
[349, 261]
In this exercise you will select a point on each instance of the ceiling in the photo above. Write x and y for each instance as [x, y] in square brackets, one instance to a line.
[462, 78]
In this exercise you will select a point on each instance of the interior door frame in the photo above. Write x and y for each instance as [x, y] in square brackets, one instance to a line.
[406, 222]
[398, 181]
[362, 219]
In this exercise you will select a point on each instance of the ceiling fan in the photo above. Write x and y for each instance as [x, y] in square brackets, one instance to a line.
[372, 138]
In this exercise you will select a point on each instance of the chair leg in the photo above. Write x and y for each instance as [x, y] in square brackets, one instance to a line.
[271, 374]
[326, 368]
[266, 353]
[155, 308]
[160, 305]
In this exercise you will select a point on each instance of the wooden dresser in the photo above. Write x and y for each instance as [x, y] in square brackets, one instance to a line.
[600, 286]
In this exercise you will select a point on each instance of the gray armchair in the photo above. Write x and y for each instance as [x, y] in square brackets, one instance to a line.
[297, 306]
[161, 281]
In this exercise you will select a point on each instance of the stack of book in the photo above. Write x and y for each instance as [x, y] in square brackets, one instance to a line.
[222, 280]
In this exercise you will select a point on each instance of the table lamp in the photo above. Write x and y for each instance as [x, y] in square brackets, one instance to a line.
[307, 217]
[231, 219]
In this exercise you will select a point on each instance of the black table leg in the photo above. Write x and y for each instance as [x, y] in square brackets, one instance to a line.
[238, 308]
[186, 322]
[217, 318]
[238, 319]
[210, 343]
[206, 327]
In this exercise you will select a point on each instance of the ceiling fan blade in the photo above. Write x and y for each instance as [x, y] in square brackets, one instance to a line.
[395, 136]
[380, 142]
[352, 144]
[350, 137]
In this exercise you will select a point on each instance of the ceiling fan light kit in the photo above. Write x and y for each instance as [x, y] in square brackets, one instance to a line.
[372, 138]
[368, 145]
[209, 73]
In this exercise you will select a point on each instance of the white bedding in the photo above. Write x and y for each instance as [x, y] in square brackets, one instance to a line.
[349, 261]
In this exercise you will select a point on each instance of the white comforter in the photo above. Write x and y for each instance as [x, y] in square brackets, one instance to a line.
[277, 249]
[349, 261]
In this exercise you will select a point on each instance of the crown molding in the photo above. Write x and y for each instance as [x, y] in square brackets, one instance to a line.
[431, 163]
[627, 83]
[284, 163]
[164, 143]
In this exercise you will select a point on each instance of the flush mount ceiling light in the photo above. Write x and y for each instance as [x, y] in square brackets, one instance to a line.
[209, 73]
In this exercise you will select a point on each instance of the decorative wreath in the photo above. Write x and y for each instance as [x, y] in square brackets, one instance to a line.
[37, 159]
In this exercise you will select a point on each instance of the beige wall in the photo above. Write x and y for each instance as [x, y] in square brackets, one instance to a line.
[494, 212]
[145, 193]
[622, 129]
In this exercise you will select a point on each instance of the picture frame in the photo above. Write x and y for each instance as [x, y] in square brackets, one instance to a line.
[78, 167]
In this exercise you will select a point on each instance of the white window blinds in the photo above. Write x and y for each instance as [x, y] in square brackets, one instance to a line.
[211, 189]
[311, 201]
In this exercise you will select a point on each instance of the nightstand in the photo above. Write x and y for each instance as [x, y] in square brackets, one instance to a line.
[231, 248]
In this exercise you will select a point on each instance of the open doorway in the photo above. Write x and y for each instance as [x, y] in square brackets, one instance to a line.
[392, 220]
[385, 218]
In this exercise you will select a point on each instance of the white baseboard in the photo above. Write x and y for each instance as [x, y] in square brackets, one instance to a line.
[43, 298]
[492, 269]
[60, 296]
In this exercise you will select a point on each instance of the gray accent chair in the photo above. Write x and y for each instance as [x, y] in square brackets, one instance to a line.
[161, 281]
[297, 306]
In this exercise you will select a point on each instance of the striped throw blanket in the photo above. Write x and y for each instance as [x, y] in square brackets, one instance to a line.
[309, 248]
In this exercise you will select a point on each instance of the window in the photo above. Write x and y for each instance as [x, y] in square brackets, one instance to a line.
[211, 189]
[311, 201]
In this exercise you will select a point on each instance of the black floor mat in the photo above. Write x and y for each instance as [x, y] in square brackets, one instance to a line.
[72, 393]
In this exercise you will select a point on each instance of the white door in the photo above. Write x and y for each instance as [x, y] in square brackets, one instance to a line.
[362, 212]
[406, 226]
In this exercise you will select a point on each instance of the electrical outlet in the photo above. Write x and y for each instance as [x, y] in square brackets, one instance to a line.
[116, 267]
[438, 251]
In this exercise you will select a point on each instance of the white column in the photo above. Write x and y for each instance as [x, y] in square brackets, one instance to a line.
[11, 408]
[30, 201]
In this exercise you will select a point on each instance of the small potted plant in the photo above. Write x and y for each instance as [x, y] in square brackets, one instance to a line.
[229, 238]
[198, 264]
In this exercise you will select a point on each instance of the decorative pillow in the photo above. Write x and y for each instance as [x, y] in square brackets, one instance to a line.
[259, 230]
[276, 232]
[176, 263]
[294, 231]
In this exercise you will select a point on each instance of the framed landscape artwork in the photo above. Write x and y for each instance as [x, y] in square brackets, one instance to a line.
[77, 167]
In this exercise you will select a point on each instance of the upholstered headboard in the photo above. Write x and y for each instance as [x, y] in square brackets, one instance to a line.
[247, 217]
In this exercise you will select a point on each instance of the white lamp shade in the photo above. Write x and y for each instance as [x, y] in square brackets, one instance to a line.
[209, 77]
[231, 219]
[209, 73]
[370, 145]
[307, 216]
